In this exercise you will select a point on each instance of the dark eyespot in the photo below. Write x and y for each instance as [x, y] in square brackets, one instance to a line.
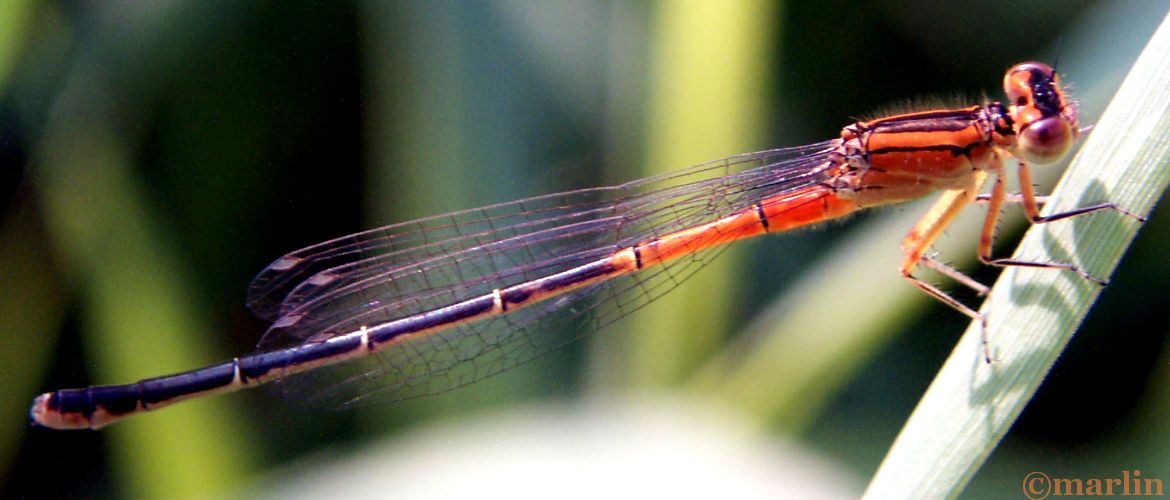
[1020, 79]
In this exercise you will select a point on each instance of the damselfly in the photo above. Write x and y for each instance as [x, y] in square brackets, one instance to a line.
[424, 306]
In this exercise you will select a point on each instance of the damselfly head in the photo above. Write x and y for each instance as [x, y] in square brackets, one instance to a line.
[1044, 118]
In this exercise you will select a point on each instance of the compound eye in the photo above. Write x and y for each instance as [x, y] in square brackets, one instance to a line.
[1018, 82]
[1046, 140]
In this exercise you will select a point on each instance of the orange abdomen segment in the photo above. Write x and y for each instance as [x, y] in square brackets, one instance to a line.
[804, 207]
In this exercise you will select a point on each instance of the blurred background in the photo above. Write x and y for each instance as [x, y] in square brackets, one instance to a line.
[155, 156]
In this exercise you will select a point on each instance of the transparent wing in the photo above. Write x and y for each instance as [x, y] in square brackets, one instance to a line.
[397, 271]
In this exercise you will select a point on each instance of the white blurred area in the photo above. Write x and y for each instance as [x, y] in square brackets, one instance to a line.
[651, 447]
